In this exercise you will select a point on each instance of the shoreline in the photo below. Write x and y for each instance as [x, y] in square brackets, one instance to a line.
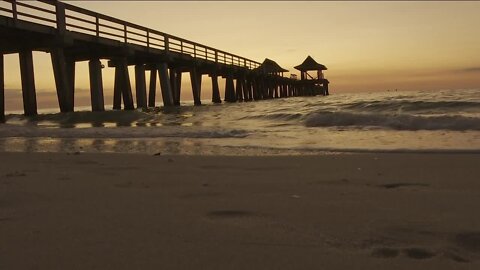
[138, 211]
[177, 146]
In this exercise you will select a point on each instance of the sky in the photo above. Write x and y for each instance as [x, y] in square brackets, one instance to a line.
[367, 46]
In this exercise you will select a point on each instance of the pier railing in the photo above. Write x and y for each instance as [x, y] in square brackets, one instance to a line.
[65, 17]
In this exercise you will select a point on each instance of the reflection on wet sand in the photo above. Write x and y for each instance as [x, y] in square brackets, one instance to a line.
[68, 145]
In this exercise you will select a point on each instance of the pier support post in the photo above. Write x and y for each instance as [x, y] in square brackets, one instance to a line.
[256, 90]
[176, 81]
[28, 83]
[71, 79]
[229, 89]
[140, 86]
[246, 90]
[96, 85]
[173, 84]
[275, 88]
[263, 88]
[239, 89]
[62, 80]
[2, 90]
[167, 95]
[122, 88]
[117, 91]
[179, 87]
[196, 80]
[215, 89]
[266, 89]
[153, 87]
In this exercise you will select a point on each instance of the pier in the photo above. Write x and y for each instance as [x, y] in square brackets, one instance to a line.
[71, 34]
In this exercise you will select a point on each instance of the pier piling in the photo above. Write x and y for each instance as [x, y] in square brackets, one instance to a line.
[174, 85]
[246, 90]
[2, 90]
[229, 89]
[140, 86]
[196, 80]
[62, 82]
[28, 83]
[96, 85]
[215, 89]
[153, 87]
[117, 91]
[122, 88]
[126, 87]
[165, 84]
[239, 90]
[70, 64]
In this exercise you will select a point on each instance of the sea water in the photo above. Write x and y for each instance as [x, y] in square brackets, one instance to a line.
[391, 121]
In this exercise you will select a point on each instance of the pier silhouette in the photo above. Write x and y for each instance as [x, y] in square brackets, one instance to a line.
[72, 34]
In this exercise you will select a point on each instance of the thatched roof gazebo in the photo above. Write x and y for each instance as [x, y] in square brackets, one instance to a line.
[271, 67]
[313, 83]
[309, 64]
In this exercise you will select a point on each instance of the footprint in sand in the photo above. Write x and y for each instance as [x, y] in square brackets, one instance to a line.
[469, 241]
[15, 174]
[455, 257]
[200, 195]
[385, 253]
[130, 184]
[412, 253]
[64, 178]
[418, 253]
[127, 184]
[398, 185]
[225, 214]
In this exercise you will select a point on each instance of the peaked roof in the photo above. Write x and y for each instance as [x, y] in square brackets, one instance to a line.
[310, 64]
[270, 66]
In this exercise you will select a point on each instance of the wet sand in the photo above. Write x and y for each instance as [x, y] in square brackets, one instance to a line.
[338, 211]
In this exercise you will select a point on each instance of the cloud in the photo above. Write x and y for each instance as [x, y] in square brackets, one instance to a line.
[468, 70]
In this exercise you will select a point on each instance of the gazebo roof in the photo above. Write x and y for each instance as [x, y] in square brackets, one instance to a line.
[270, 66]
[310, 64]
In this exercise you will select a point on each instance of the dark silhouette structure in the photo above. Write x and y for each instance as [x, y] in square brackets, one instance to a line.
[72, 34]
[310, 85]
[274, 85]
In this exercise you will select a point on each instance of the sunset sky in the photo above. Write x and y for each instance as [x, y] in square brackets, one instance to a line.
[367, 46]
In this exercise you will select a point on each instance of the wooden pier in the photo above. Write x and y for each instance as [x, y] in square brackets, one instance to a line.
[72, 34]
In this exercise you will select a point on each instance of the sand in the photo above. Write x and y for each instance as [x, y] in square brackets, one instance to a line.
[338, 211]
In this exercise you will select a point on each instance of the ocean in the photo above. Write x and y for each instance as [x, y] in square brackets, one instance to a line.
[392, 121]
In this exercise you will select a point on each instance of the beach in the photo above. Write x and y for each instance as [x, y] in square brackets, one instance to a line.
[333, 211]
[133, 138]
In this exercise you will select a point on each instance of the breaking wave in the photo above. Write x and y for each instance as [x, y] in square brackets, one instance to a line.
[394, 121]
[412, 106]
